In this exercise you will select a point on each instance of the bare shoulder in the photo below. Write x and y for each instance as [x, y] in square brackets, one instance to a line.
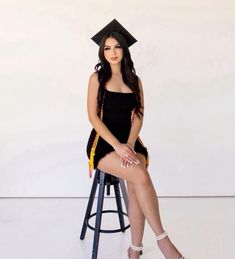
[93, 82]
[94, 78]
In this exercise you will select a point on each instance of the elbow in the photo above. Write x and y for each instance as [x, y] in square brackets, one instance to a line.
[92, 118]
[140, 119]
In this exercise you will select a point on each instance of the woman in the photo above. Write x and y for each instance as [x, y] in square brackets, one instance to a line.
[115, 104]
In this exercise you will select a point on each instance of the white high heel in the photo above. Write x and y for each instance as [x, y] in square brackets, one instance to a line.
[164, 234]
[135, 248]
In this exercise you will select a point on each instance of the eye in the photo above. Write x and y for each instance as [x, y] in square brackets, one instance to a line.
[118, 47]
[106, 48]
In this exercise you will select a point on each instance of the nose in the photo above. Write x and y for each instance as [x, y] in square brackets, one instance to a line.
[113, 51]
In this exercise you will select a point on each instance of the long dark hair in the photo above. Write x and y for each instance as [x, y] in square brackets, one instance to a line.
[127, 69]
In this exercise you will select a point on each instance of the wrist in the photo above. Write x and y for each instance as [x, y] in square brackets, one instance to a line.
[131, 143]
[115, 144]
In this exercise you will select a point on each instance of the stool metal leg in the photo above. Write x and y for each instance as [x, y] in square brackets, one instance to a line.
[124, 193]
[98, 215]
[119, 206]
[89, 206]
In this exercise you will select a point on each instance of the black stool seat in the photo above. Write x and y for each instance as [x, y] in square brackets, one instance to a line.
[104, 179]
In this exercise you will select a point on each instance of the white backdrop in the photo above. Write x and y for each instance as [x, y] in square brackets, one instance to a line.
[185, 57]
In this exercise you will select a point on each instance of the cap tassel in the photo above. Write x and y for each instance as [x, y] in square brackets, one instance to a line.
[92, 155]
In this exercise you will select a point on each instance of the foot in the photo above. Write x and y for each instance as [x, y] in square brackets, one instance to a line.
[133, 254]
[168, 249]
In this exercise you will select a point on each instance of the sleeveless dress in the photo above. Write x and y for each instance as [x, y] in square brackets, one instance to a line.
[117, 115]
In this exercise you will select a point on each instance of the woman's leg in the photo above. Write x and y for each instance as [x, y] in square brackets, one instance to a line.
[136, 219]
[145, 193]
[135, 215]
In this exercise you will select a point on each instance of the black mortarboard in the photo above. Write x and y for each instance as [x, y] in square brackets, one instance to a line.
[114, 26]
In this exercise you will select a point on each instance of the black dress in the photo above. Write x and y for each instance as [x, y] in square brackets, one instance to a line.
[117, 110]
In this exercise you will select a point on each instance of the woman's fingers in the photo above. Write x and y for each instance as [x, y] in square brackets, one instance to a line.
[127, 155]
[132, 148]
[132, 158]
[127, 162]
[131, 154]
[123, 162]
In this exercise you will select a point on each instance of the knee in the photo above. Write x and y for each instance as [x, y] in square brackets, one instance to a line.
[141, 176]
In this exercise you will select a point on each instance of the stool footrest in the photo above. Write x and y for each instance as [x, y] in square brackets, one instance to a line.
[109, 230]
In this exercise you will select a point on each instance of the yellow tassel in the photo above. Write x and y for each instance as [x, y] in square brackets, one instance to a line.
[92, 155]
[94, 144]
[91, 161]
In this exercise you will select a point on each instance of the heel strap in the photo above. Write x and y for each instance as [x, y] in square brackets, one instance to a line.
[164, 234]
[136, 248]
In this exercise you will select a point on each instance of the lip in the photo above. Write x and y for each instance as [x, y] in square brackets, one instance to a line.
[113, 58]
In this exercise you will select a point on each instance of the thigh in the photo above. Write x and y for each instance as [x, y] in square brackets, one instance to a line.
[111, 164]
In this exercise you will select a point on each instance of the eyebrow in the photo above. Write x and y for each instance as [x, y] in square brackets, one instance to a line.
[114, 45]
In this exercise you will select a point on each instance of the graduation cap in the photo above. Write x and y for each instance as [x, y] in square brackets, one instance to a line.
[114, 26]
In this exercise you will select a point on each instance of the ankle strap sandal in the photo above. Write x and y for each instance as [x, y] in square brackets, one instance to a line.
[164, 234]
[135, 248]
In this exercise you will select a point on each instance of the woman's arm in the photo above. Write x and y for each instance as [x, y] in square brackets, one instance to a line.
[137, 122]
[122, 149]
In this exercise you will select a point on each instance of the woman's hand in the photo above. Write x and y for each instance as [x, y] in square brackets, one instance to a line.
[127, 154]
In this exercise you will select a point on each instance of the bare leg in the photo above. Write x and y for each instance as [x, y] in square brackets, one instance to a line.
[136, 219]
[136, 216]
[146, 196]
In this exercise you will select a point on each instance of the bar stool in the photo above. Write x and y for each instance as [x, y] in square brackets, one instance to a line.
[104, 179]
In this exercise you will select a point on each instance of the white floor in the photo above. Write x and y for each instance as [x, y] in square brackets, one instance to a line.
[49, 228]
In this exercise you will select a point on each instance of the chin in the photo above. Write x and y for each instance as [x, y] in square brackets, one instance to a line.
[114, 62]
